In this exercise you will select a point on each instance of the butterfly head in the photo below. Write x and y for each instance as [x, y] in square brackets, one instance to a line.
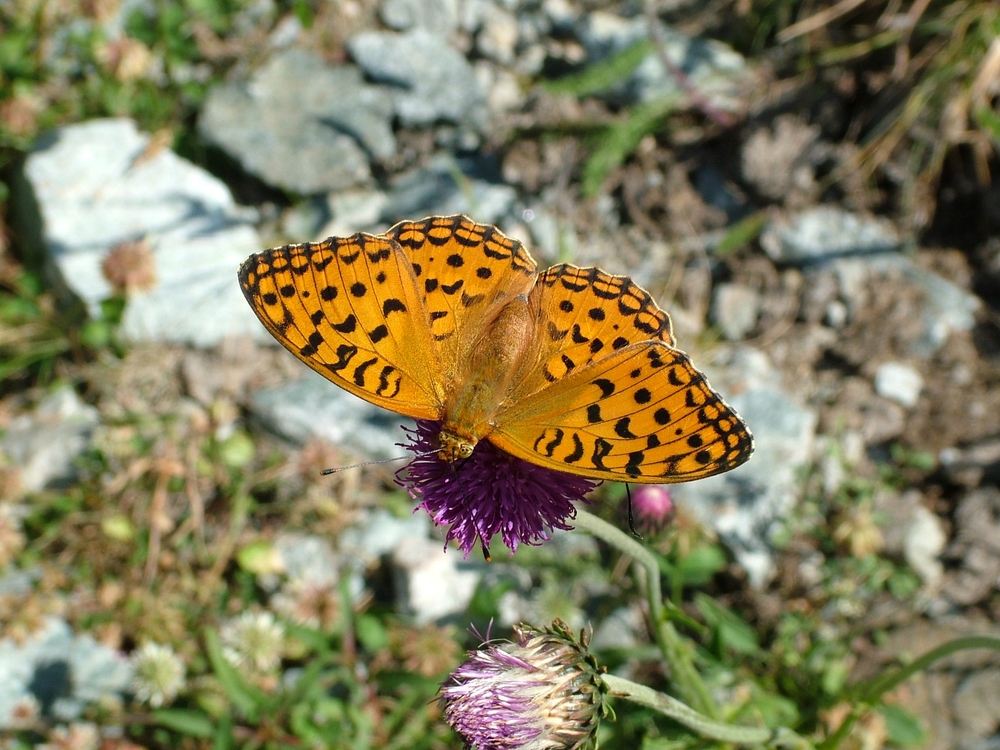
[454, 447]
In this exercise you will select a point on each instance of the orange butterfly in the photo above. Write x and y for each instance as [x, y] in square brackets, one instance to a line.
[444, 319]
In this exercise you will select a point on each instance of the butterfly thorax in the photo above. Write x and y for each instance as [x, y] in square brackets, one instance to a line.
[494, 358]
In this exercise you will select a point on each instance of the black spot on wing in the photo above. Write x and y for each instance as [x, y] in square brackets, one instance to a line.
[577, 453]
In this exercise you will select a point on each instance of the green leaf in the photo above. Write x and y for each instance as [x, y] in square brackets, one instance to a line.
[224, 739]
[371, 633]
[185, 721]
[741, 234]
[700, 564]
[112, 309]
[731, 632]
[237, 450]
[989, 121]
[621, 139]
[602, 75]
[246, 698]
[770, 708]
[902, 727]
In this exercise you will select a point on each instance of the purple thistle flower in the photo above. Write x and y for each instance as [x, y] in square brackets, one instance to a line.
[654, 506]
[489, 493]
[542, 692]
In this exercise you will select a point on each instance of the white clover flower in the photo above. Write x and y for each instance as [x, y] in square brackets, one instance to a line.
[308, 602]
[158, 674]
[25, 712]
[77, 736]
[253, 640]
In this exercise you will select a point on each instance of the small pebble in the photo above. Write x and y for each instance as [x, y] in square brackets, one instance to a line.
[899, 382]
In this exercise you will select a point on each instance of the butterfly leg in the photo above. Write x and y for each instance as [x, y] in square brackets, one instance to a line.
[485, 547]
[631, 516]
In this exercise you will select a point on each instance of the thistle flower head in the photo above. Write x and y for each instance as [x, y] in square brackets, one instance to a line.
[253, 640]
[654, 506]
[157, 674]
[541, 692]
[489, 493]
[130, 267]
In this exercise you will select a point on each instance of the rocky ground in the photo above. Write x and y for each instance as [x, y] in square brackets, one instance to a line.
[843, 298]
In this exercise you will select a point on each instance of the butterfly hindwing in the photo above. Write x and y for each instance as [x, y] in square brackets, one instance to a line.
[641, 414]
[350, 309]
[584, 314]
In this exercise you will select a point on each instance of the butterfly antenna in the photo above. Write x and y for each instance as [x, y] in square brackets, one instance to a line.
[631, 517]
[327, 472]
[425, 454]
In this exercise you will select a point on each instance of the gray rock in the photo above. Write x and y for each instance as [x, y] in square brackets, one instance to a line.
[353, 211]
[313, 407]
[947, 307]
[777, 163]
[715, 70]
[311, 559]
[304, 221]
[973, 464]
[976, 707]
[62, 672]
[438, 16]
[735, 308]
[744, 505]
[899, 382]
[18, 581]
[505, 92]
[825, 232]
[433, 81]
[717, 190]
[379, 532]
[95, 185]
[307, 557]
[301, 124]
[498, 36]
[561, 14]
[625, 628]
[922, 547]
[976, 546]
[447, 187]
[430, 585]
[45, 444]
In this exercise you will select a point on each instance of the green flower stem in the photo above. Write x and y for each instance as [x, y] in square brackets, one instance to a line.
[675, 651]
[694, 721]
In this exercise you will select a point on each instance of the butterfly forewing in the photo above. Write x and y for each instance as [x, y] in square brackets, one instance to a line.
[350, 309]
[641, 414]
[466, 272]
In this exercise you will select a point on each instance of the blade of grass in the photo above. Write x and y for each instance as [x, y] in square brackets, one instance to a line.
[621, 139]
[602, 75]
[246, 698]
[184, 721]
[741, 234]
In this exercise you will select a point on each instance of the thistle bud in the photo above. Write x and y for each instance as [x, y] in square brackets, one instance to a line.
[541, 692]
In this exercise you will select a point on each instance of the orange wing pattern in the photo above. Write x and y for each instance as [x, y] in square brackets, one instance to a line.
[584, 314]
[466, 272]
[411, 321]
[641, 414]
[350, 309]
